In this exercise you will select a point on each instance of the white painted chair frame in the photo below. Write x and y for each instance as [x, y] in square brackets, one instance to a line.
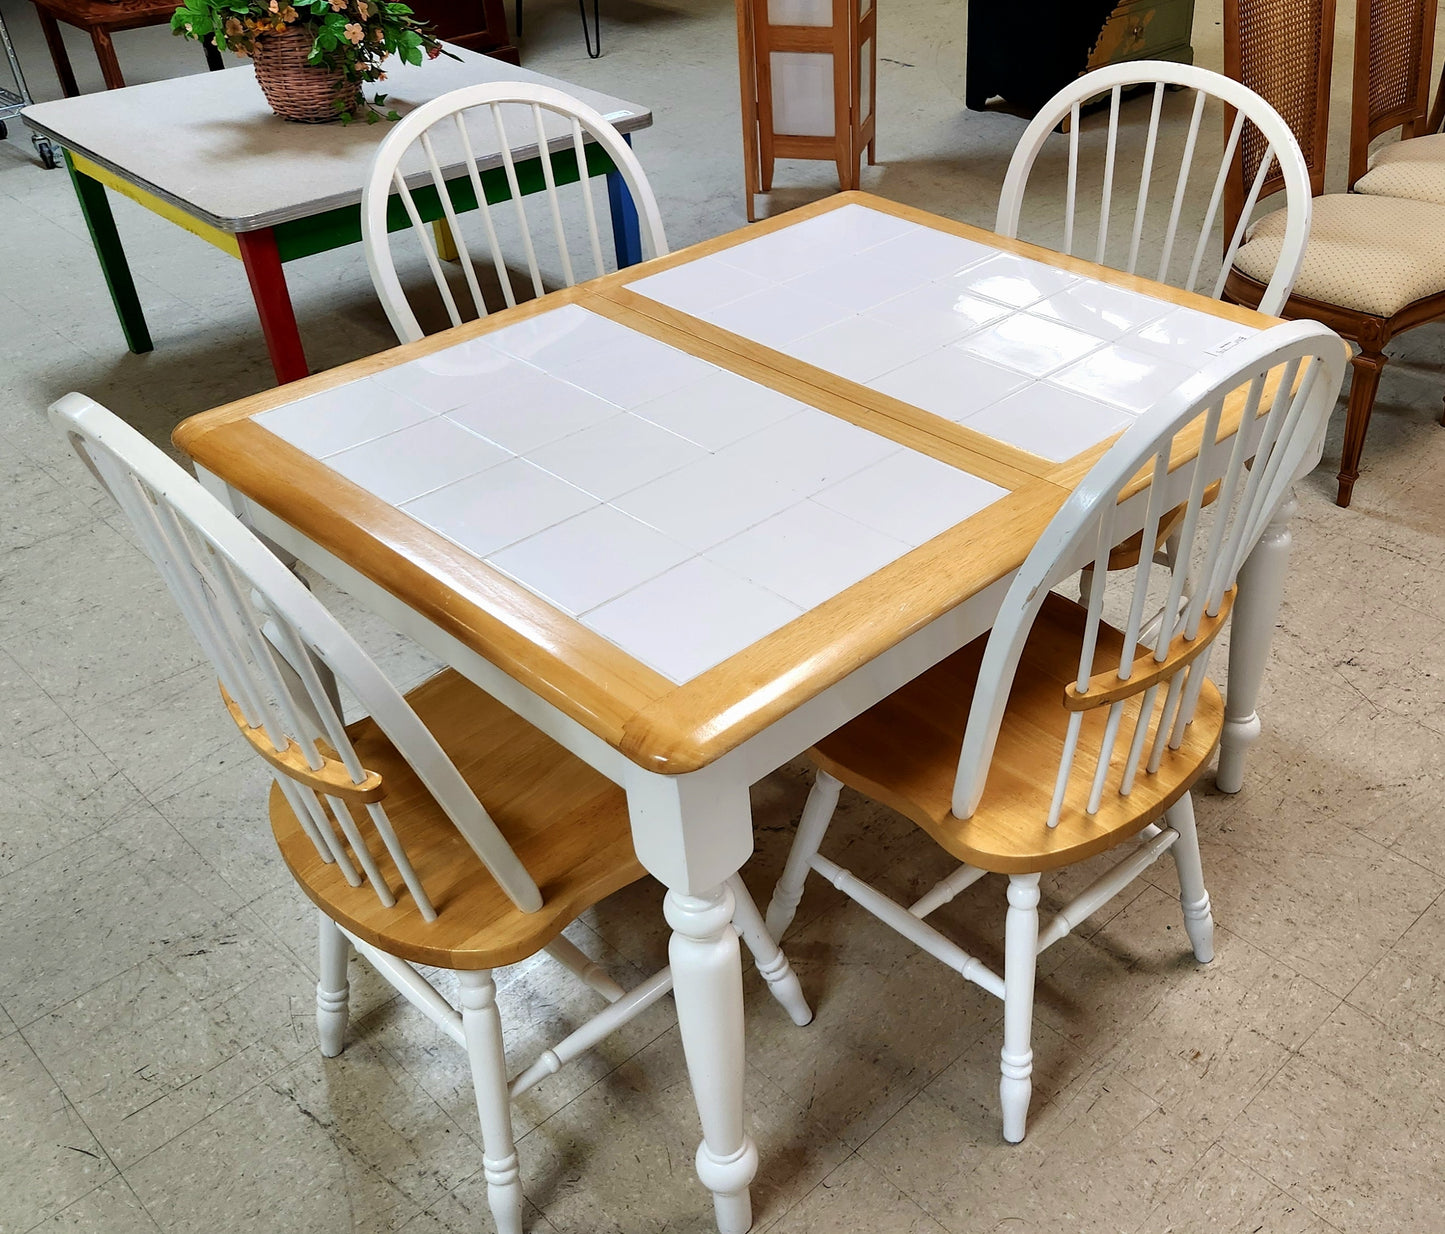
[1255, 467]
[1113, 80]
[449, 113]
[279, 655]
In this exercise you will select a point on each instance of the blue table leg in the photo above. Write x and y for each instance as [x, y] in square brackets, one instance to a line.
[626, 234]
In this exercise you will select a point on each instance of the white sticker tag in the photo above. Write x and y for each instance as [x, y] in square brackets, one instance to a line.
[617, 115]
[1234, 340]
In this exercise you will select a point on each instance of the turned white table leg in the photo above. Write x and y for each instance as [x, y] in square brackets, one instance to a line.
[708, 989]
[1261, 589]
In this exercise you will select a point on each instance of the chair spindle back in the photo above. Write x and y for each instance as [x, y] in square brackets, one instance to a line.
[1251, 123]
[280, 655]
[1253, 420]
[430, 162]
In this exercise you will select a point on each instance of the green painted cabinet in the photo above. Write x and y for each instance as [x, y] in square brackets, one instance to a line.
[1026, 51]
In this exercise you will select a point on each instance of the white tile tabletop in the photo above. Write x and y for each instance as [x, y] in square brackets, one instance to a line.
[1018, 350]
[683, 511]
[677, 509]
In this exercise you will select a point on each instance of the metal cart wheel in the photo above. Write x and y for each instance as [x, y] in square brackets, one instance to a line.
[46, 152]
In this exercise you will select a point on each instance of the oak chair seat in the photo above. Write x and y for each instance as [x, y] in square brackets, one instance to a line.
[1413, 169]
[904, 753]
[1374, 255]
[566, 822]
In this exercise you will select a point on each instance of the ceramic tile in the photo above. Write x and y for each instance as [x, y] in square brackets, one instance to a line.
[933, 254]
[779, 255]
[590, 559]
[346, 416]
[633, 370]
[860, 348]
[1186, 333]
[699, 285]
[691, 618]
[718, 410]
[939, 313]
[416, 460]
[1129, 379]
[950, 383]
[449, 378]
[558, 336]
[511, 501]
[1016, 281]
[910, 497]
[618, 455]
[1101, 309]
[855, 228]
[776, 317]
[526, 408]
[706, 502]
[807, 451]
[807, 554]
[1054, 424]
[857, 283]
[1032, 345]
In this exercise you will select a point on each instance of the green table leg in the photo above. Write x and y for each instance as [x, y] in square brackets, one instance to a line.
[100, 221]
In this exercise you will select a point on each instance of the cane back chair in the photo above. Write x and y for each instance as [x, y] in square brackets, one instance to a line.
[441, 829]
[1126, 715]
[437, 143]
[1374, 266]
[1394, 50]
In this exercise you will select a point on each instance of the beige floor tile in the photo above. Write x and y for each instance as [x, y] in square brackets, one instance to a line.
[887, 1019]
[1406, 990]
[1353, 1128]
[48, 1158]
[619, 1158]
[150, 1053]
[464, 1211]
[111, 1208]
[1225, 1194]
[1266, 857]
[856, 1197]
[59, 771]
[24, 707]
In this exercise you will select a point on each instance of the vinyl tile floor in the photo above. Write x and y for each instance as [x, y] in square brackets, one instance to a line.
[158, 1061]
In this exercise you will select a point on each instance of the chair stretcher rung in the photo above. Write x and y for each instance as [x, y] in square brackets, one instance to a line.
[415, 988]
[1106, 887]
[916, 931]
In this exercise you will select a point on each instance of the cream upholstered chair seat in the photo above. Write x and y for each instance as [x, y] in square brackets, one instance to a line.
[1374, 255]
[1413, 169]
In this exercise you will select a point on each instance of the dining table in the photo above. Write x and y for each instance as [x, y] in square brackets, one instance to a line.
[691, 517]
[206, 153]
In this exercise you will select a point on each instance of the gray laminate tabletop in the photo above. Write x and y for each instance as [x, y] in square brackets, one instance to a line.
[209, 144]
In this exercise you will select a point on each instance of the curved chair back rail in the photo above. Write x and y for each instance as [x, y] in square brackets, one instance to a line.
[433, 150]
[1288, 378]
[280, 656]
[1255, 127]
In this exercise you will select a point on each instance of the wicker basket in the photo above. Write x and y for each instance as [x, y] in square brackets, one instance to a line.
[296, 90]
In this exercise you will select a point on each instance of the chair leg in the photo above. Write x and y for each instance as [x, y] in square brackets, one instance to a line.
[482, 1027]
[817, 814]
[1364, 383]
[783, 983]
[332, 988]
[1021, 940]
[596, 29]
[1193, 898]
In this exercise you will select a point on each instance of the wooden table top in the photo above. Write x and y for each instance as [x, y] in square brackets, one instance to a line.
[209, 144]
[680, 501]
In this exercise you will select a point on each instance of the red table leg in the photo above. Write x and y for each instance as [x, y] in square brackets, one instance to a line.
[273, 303]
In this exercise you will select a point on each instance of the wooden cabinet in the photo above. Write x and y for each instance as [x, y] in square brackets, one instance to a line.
[479, 25]
[1028, 50]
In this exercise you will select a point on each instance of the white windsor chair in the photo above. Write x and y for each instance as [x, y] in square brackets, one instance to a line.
[1127, 716]
[438, 142]
[1265, 125]
[441, 829]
